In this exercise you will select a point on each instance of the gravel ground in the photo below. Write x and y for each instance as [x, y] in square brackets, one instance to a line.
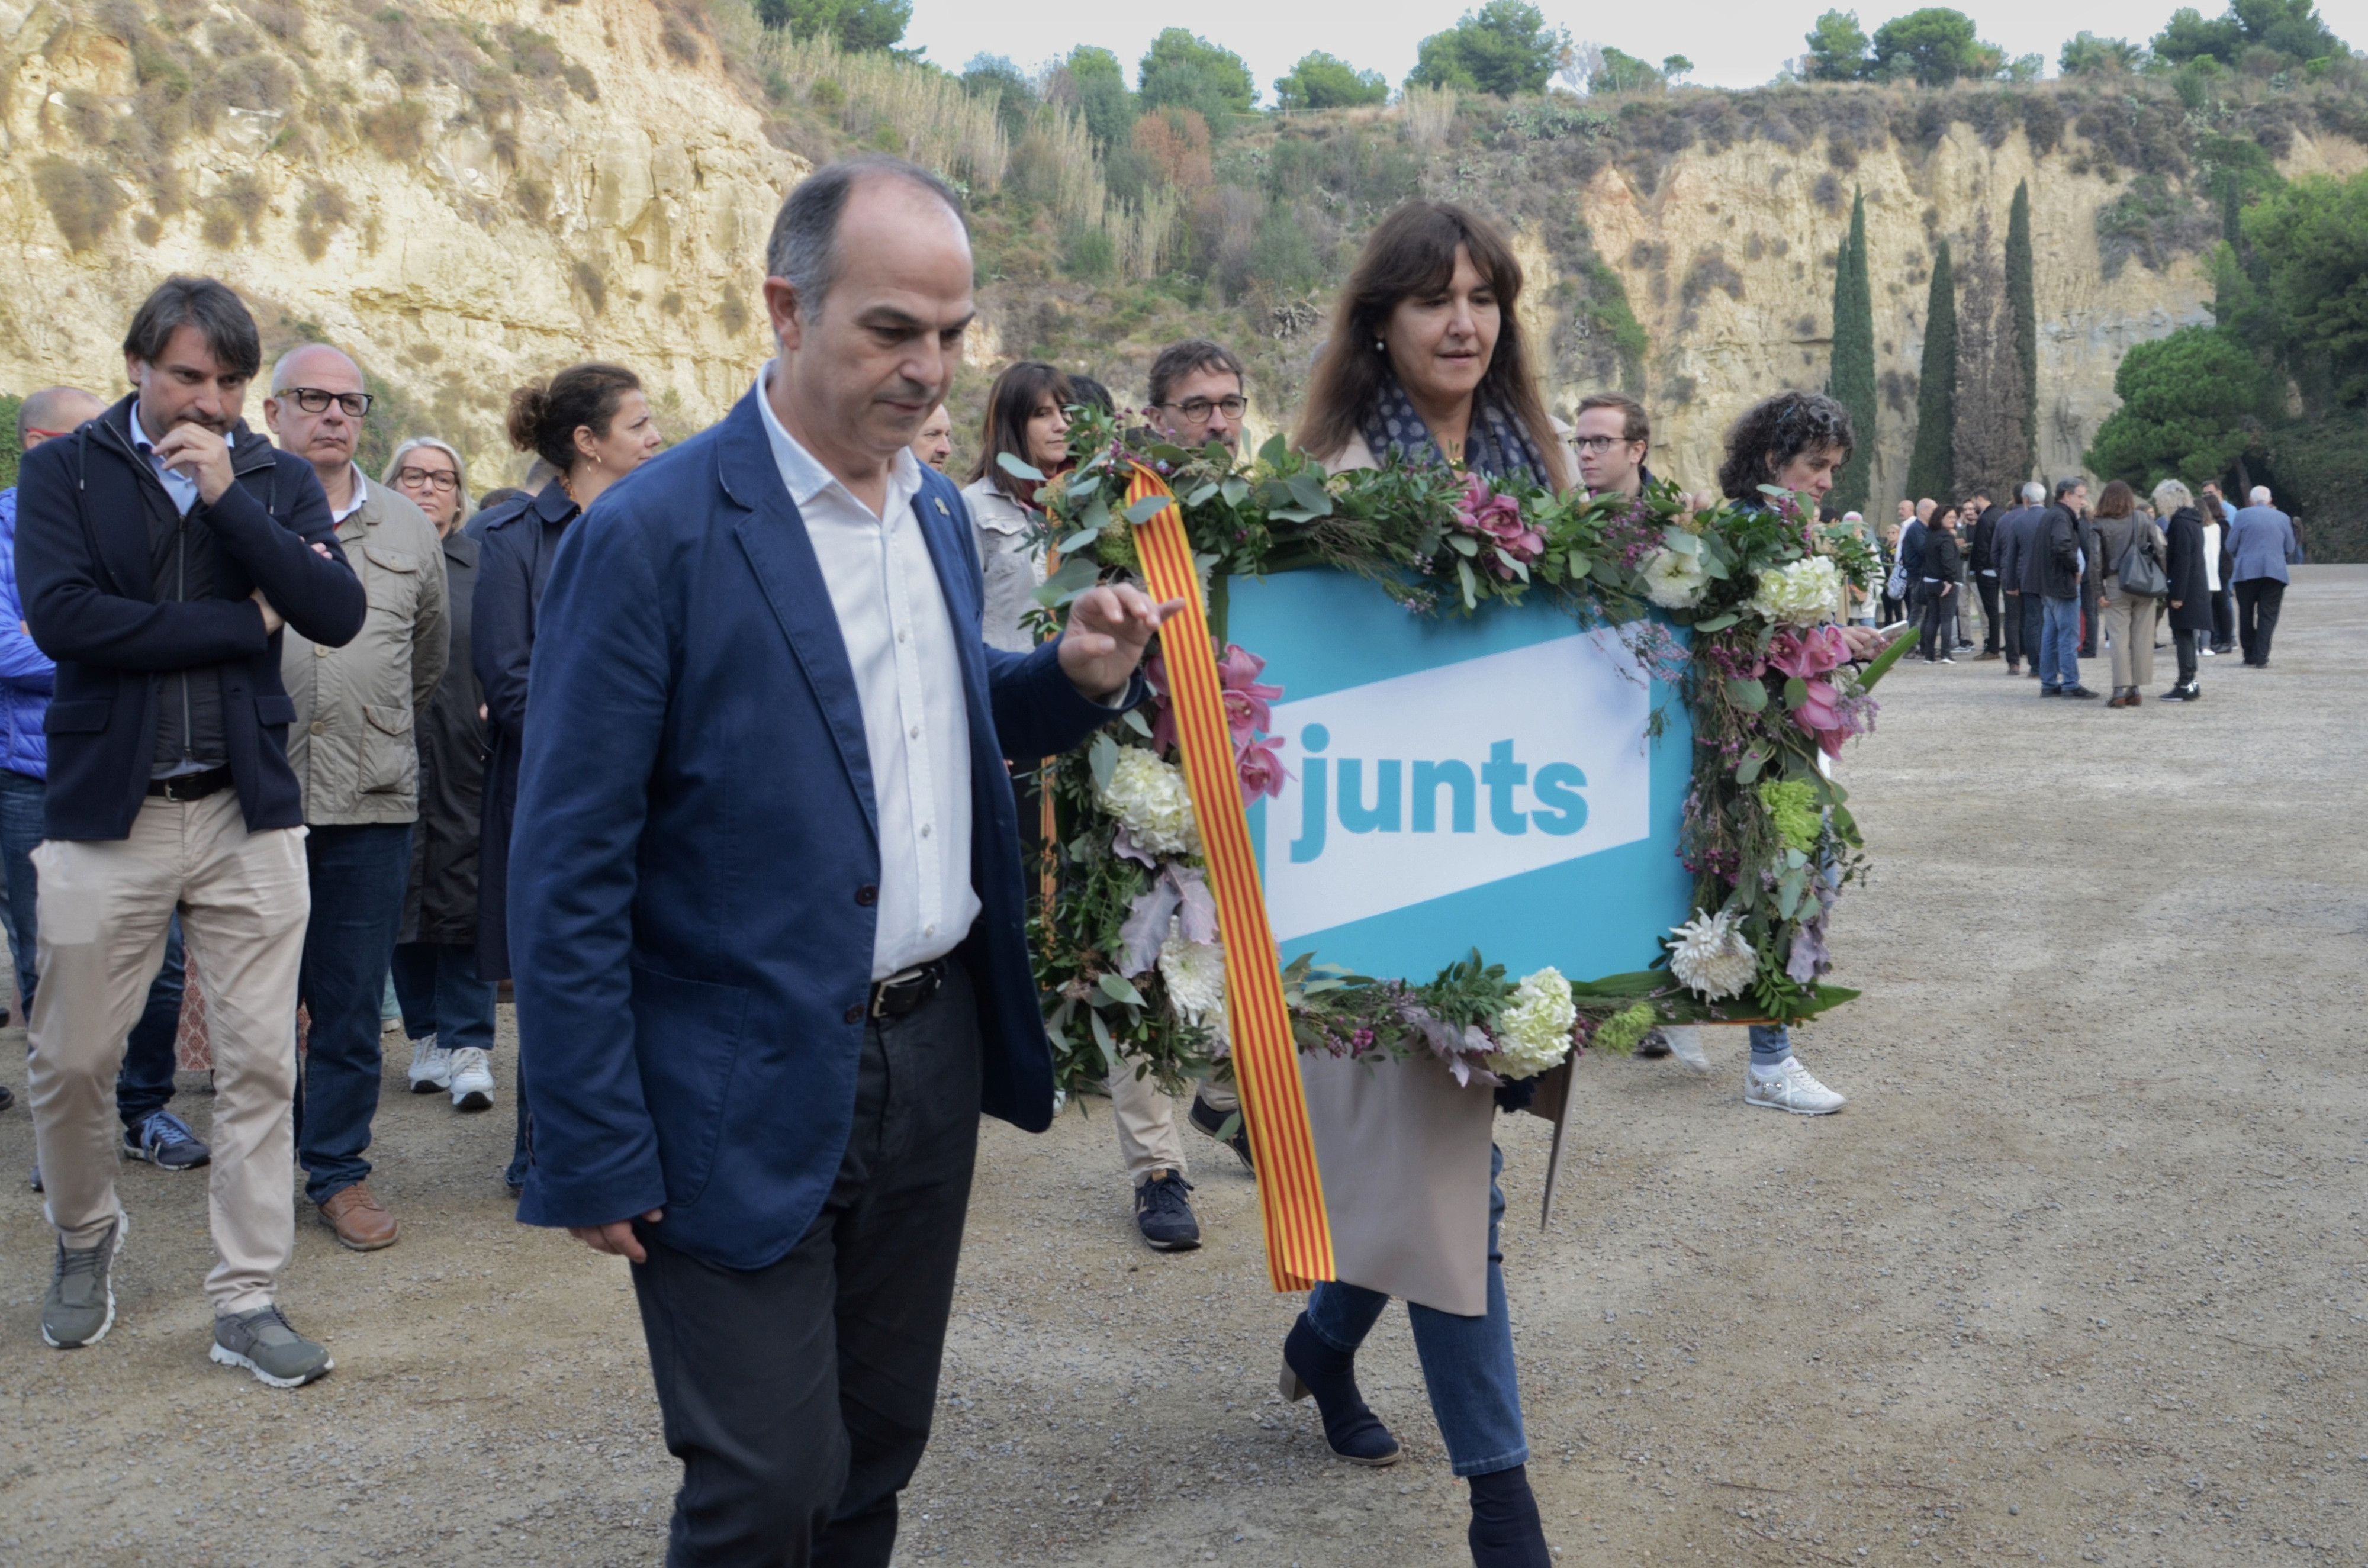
[2078, 1276]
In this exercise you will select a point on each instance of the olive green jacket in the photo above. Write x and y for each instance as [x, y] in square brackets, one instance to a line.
[352, 745]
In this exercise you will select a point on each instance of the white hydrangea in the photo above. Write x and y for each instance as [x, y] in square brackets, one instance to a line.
[1711, 956]
[1673, 579]
[1195, 974]
[1806, 593]
[1150, 799]
[1533, 1031]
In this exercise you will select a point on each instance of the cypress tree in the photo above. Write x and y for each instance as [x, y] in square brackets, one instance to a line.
[1850, 380]
[2025, 313]
[1932, 469]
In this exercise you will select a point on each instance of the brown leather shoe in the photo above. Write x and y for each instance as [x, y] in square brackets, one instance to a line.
[359, 1220]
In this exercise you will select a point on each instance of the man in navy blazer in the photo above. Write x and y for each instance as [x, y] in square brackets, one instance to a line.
[766, 896]
[2260, 541]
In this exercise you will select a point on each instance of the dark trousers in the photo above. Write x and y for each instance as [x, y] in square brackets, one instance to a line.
[436, 985]
[2258, 599]
[2034, 624]
[798, 1396]
[2010, 628]
[2185, 642]
[2089, 619]
[143, 1085]
[1993, 634]
[1938, 618]
[358, 878]
[2223, 620]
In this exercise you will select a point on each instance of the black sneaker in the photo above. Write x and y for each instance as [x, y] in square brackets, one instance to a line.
[1213, 1121]
[1163, 1214]
[166, 1141]
[2078, 691]
[7, 1094]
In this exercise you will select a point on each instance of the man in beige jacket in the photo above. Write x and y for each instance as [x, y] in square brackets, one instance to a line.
[358, 764]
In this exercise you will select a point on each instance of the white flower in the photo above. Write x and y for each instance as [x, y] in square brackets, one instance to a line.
[1195, 974]
[1673, 579]
[1806, 593]
[1712, 957]
[1149, 797]
[1533, 1031]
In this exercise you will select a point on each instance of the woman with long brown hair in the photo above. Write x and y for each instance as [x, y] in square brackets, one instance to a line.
[1427, 356]
[2129, 617]
[1027, 416]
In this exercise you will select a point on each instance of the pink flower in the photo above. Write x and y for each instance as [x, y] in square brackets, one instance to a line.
[1247, 700]
[1821, 714]
[1260, 765]
[1497, 520]
[1809, 654]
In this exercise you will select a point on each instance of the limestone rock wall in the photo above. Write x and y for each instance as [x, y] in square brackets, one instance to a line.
[552, 228]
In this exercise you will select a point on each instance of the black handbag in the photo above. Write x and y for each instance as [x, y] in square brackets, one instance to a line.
[2139, 571]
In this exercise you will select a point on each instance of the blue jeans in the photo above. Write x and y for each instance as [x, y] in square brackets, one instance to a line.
[1467, 1363]
[436, 983]
[359, 875]
[143, 1086]
[1770, 1043]
[2059, 645]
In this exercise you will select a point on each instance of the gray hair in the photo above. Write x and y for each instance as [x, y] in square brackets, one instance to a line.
[459, 467]
[2033, 492]
[2261, 495]
[2170, 495]
[279, 366]
[804, 245]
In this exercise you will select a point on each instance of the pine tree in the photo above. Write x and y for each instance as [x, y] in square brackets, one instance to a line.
[1931, 468]
[2025, 312]
[1850, 380]
[1988, 439]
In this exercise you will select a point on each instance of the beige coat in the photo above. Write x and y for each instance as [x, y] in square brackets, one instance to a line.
[352, 742]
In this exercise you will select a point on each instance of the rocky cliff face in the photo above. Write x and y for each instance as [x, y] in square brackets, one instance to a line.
[465, 195]
[1728, 266]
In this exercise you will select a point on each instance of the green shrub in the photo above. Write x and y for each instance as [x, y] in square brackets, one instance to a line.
[81, 197]
[1089, 255]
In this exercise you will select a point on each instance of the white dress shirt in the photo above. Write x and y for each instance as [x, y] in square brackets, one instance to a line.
[337, 516]
[900, 641]
[182, 488]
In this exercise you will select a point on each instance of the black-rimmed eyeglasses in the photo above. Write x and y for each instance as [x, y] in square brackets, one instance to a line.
[1196, 409]
[443, 480]
[1599, 444]
[313, 400]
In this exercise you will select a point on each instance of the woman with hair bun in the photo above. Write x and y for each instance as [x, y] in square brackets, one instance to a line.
[592, 424]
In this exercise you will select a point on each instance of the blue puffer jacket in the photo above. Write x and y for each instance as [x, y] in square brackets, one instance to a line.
[26, 672]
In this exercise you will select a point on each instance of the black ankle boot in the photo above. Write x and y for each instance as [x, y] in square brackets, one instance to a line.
[1506, 1531]
[1351, 1428]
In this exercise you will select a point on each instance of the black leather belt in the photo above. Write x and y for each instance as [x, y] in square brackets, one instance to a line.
[906, 989]
[190, 786]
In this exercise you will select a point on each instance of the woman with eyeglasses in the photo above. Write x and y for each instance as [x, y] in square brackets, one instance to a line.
[448, 1011]
[1027, 420]
[592, 424]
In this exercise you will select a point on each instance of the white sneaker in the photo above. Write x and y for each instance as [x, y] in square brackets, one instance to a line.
[1685, 1044]
[431, 1066]
[1790, 1087]
[473, 1080]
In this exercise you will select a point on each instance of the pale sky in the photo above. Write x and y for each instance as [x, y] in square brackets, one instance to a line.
[1732, 44]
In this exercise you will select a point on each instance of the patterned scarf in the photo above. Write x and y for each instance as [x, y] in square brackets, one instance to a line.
[1494, 445]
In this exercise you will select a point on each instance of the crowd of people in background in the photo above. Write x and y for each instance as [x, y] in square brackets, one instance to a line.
[270, 713]
[2057, 579]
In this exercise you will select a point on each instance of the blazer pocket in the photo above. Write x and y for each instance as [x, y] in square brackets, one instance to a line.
[686, 1034]
[86, 717]
[389, 761]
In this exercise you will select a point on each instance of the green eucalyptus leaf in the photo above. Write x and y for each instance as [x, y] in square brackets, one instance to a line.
[1149, 507]
[1796, 692]
[1118, 988]
[1747, 692]
[1233, 489]
[1717, 622]
[1470, 585]
[1137, 722]
[1308, 489]
[1463, 544]
[1017, 470]
[1078, 540]
[1103, 757]
[1203, 494]
[1102, 1039]
[1748, 768]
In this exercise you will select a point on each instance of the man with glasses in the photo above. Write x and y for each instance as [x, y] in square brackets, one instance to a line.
[357, 763]
[1612, 436]
[1196, 394]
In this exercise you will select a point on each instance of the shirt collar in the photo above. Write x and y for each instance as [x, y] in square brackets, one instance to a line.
[805, 478]
[361, 494]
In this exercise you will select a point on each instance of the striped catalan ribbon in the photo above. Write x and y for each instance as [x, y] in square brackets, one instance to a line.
[1266, 1060]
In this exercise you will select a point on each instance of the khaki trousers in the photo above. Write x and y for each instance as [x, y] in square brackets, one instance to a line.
[2129, 622]
[1147, 1137]
[244, 899]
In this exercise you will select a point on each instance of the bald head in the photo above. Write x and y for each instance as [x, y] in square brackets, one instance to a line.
[53, 411]
[316, 365]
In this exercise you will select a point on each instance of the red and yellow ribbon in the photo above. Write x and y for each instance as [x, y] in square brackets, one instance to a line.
[1266, 1059]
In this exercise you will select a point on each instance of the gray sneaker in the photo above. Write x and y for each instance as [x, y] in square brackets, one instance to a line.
[262, 1342]
[80, 1308]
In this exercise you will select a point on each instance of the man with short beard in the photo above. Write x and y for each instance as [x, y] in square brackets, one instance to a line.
[161, 550]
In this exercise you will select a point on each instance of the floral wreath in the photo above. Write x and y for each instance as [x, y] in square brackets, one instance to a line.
[1128, 954]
